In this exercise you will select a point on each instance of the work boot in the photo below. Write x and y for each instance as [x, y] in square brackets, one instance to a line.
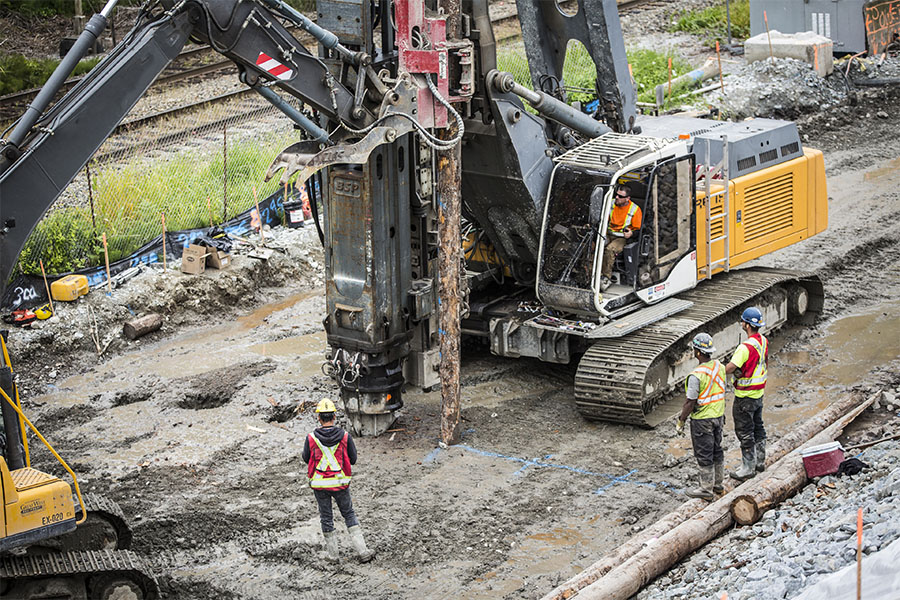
[748, 468]
[761, 456]
[705, 490]
[331, 545]
[718, 486]
[359, 544]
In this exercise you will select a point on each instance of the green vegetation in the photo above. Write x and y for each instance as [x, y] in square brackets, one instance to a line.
[58, 8]
[710, 23]
[649, 69]
[129, 202]
[65, 240]
[19, 73]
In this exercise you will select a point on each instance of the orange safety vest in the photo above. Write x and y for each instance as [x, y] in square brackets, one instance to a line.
[329, 466]
[629, 217]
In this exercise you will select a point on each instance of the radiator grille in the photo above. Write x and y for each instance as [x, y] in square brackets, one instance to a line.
[768, 156]
[746, 163]
[769, 207]
[789, 149]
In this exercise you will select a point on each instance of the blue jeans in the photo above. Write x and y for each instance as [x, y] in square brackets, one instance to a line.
[326, 514]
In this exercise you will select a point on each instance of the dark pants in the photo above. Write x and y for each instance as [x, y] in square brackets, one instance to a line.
[748, 424]
[345, 505]
[706, 437]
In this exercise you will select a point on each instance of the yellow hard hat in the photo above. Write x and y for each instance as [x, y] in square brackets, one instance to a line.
[325, 406]
[43, 312]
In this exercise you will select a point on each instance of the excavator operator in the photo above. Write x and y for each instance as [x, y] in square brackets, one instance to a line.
[624, 220]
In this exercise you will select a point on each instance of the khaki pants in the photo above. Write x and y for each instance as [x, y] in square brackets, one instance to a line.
[613, 247]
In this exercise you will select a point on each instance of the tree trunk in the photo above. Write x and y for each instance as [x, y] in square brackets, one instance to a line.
[786, 443]
[628, 578]
[142, 326]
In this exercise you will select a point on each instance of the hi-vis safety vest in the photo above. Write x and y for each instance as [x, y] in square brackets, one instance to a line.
[753, 385]
[632, 210]
[329, 466]
[711, 400]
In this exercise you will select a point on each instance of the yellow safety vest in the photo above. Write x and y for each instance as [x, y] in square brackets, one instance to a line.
[754, 384]
[328, 473]
[711, 400]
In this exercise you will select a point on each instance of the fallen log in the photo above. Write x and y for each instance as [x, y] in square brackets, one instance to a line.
[142, 326]
[627, 579]
[786, 443]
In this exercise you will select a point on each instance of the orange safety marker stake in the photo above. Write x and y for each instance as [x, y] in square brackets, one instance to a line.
[106, 258]
[47, 285]
[669, 93]
[164, 239]
[209, 209]
[262, 235]
[859, 527]
[719, 58]
[769, 36]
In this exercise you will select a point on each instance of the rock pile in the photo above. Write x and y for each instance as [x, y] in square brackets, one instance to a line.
[800, 542]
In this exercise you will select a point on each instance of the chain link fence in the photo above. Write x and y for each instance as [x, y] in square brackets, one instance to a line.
[185, 172]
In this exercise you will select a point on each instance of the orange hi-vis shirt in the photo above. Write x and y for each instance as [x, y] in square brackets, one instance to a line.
[622, 217]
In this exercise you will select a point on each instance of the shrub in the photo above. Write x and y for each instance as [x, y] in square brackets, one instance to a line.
[710, 23]
[19, 73]
[65, 240]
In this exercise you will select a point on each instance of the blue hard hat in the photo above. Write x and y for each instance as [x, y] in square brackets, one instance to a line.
[753, 316]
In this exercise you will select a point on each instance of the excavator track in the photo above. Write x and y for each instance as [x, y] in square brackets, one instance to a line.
[102, 574]
[625, 379]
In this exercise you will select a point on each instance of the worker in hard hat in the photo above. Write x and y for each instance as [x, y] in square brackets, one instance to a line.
[705, 406]
[749, 365]
[329, 451]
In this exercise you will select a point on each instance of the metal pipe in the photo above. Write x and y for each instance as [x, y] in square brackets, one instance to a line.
[85, 41]
[318, 134]
[549, 106]
[325, 37]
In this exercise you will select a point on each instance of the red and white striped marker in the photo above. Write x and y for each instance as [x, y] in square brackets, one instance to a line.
[272, 66]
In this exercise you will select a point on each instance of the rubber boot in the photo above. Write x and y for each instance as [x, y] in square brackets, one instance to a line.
[331, 545]
[705, 490]
[718, 486]
[748, 468]
[761, 456]
[359, 544]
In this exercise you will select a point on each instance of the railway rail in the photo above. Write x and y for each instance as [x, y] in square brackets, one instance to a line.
[125, 142]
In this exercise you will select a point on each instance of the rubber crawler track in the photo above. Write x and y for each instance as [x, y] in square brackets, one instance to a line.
[624, 379]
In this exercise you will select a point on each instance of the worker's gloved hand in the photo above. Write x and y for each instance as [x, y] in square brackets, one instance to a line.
[679, 427]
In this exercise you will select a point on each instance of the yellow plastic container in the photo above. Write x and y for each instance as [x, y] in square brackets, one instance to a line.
[70, 287]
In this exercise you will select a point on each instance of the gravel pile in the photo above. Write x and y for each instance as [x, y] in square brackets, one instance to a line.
[799, 543]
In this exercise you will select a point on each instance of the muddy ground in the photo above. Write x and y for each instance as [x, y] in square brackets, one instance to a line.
[196, 430]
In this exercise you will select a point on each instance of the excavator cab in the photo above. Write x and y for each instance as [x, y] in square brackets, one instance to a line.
[576, 218]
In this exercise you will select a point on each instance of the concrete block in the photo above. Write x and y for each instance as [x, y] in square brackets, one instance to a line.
[817, 50]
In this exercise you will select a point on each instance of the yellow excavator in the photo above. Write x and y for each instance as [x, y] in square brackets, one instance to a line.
[53, 543]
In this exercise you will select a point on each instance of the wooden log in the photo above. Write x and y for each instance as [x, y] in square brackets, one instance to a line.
[628, 578]
[786, 443]
[142, 326]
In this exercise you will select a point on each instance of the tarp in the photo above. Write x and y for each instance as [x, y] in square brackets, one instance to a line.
[880, 579]
[27, 291]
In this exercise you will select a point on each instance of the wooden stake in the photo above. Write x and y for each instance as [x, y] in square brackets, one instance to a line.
[164, 239]
[284, 219]
[108, 281]
[769, 36]
[669, 92]
[719, 58]
[449, 259]
[209, 210]
[47, 285]
[859, 527]
[262, 235]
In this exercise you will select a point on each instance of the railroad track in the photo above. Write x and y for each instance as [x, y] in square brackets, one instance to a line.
[157, 127]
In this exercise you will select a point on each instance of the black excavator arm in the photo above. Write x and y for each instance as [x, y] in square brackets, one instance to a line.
[47, 148]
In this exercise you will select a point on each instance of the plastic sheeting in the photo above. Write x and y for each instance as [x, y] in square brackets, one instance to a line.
[880, 579]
